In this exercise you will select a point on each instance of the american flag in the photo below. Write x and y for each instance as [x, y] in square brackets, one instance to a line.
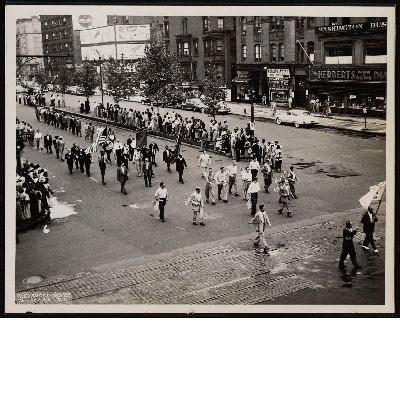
[93, 147]
[176, 150]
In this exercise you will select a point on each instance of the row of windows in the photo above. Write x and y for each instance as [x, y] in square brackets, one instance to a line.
[277, 52]
[56, 47]
[58, 21]
[214, 46]
[58, 35]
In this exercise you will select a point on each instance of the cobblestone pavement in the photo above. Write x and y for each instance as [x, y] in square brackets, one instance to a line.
[233, 273]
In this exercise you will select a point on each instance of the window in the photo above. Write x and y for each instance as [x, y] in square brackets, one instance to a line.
[339, 52]
[281, 52]
[66, 46]
[257, 24]
[184, 26]
[300, 52]
[54, 35]
[64, 20]
[346, 20]
[243, 25]
[195, 47]
[45, 24]
[257, 52]
[273, 51]
[61, 46]
[60, 34]
[232, 46]
[47, 48]
[218, 46]
[310, 22]
[65, 33]
[206, 24]
[220, 23]
[194, 71]
[375, 51]
[244, 50]
[299, 23]
[310, 50]
[206, 49]
[54, 48]
[333, 21]
[276, 24]
[127, 20]
[115, 20]
[167, 48]
[179, 45]
[47, 36]
[166, 28]
[186, 48]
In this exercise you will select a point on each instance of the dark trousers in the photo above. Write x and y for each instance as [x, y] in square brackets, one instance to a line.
[87, 166]
[147, 178]
[123, 187]
[70, 166]
[348, 249]
[253, 198]
[161, 205]
[168, 165]
[369, 239]
[237, 154]
[82, 165]
[180, 176]
[219, 190]
[254, 173]
[102, 172]
[57, 152]
[267, 182]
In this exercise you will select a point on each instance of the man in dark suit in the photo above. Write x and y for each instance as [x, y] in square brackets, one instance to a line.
[122, 175]
[167, 158]
[88, 161]
[102, 165]
[70, 160]
[180, 166]
[147, 171]
[48, 141]
[348, 246]
[369, 219]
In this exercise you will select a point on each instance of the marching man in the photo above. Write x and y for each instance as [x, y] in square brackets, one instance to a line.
[204, 161]
[197, 206]
[292, 178]
[260, 221]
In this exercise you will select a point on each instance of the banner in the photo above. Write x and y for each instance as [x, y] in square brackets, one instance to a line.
[375, 194]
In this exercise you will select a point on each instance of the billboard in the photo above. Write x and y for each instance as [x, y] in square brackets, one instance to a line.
[127, 33]
[86, 21]
[131, 51]
[105, 51]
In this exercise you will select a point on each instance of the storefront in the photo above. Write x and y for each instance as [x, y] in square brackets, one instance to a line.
[249, 80]
[279, 85]
[348, 89]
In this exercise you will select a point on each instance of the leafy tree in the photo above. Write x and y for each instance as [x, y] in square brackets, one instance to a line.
[158, 74]
[64, 78]
[87, 79]
[42, 80]
[119, 82]
[212, 89]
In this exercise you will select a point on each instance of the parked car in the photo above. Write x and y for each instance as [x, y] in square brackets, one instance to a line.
[297, 118]
[194, 104]
[223, 108]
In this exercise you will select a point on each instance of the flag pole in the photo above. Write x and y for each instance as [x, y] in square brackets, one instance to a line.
[380, 201]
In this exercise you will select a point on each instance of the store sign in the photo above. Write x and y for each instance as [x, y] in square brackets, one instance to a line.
[278, 73]
[366, 26]
[242, 74]
[328, 74]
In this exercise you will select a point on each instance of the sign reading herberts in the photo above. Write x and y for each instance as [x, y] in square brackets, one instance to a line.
[348, 74]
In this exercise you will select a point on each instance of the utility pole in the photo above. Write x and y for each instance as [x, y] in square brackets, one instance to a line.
[101, 81]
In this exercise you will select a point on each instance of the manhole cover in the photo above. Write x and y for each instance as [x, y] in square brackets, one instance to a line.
[212, 215]
[33, 279]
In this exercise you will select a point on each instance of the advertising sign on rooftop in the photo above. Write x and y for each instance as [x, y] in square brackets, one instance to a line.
[85, 21]
[132, 32]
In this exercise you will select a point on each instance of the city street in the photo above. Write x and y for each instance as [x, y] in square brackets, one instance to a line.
[111, 232]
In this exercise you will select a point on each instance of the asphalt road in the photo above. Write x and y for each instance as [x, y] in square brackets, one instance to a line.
[334, 169]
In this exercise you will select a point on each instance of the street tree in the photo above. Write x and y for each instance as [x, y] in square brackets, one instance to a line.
[158, 74]
[87, 79]
[43, 80]
[213, 92]
[119, 81]
[64, 79]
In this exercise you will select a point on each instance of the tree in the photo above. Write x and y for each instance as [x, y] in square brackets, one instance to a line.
[158, 74]
[213, 93]
[64, 78]
[87, 79]
[119, 82]
[42, 80]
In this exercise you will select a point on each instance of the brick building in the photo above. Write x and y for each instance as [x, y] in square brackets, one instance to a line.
[272, 61]
[60, 42]
[29, 42]
[199, 40]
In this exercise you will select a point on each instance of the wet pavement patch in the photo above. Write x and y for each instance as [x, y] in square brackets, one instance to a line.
[33, 279]
[303, 165]
[337, 171]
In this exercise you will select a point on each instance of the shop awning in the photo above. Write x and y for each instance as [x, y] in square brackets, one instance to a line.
[241, 80]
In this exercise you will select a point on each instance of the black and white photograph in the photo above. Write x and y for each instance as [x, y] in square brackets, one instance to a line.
[199, 159]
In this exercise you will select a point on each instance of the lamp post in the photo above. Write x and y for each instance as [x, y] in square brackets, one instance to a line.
[101, 81]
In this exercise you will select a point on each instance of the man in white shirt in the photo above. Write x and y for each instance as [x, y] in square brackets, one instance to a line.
[38, 137]
[232, 173]
[197, 206]
[209, 187]
[254, 167]
[204, 162]
[221, 178]
[253, 190]
[260, 222]
[246, 179]
[137, 157]
[161, 197]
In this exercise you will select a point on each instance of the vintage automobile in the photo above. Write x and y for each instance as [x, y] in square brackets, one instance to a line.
[194, 104]
[297, 117]
[223, 108]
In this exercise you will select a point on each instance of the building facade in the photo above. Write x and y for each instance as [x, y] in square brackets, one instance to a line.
[60, 42]
[199, 40]
[299, 57]
[29, 42]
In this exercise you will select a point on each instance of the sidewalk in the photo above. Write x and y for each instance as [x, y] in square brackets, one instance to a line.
[335, 121]
[302, 268]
